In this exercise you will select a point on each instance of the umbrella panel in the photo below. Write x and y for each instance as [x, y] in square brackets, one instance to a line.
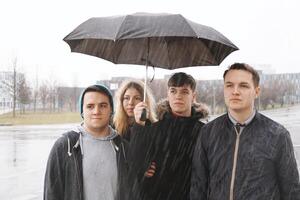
[163, 52]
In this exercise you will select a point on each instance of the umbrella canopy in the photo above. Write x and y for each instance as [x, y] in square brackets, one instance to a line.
[167, 41]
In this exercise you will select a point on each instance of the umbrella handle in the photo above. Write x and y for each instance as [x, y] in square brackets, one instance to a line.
[144, 115]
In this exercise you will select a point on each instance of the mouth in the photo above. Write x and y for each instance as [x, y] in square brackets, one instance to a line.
[235, 99]
[96, 118]
[129, 109]
[178, 103]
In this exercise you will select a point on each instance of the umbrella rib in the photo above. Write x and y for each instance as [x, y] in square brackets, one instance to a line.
[168, 54]
[190, 26]
[117, 33]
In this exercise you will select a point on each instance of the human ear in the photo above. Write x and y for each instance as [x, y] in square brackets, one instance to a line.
[257, 92]
[194, 97]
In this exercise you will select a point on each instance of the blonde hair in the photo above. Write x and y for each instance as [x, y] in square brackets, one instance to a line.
[121, 120]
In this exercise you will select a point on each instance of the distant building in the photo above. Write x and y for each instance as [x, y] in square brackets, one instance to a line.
[6, 97]
[265, 68]
[68, 98]
[291, 81]
[114, 83]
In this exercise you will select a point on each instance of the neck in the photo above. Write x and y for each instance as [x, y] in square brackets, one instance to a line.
[241, 117]
[131, 120]
[98, 132]
[182, 114]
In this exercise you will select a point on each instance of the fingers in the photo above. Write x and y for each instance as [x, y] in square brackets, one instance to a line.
[151, 170]
[138, 110]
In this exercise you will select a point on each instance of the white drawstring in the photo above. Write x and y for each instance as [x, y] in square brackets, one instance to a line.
[69, 148]
[115, 147]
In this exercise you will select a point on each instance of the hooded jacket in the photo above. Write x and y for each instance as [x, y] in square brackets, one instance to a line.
[63, 178]
[265, 169]
[170, 144]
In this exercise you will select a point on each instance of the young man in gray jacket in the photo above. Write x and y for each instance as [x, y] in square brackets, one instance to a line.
[244, 155]
[88, 163]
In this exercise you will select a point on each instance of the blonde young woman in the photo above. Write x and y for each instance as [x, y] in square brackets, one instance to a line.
[128, 95]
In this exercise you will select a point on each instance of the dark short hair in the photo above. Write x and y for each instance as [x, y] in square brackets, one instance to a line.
[245, 67]
[180, 79]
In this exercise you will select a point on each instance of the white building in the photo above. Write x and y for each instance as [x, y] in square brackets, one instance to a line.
[6, 99]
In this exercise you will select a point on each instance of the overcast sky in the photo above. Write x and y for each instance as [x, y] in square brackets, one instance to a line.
[266, 31]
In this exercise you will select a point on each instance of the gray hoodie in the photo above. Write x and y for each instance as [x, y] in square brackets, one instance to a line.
[99, 165]
[64, 173]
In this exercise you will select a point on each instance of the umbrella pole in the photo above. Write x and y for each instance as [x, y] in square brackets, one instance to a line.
[145, 85]
[146, 76]
[144, 113]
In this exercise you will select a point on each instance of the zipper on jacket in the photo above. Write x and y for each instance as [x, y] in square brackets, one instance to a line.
[236, 150]
[78, 175]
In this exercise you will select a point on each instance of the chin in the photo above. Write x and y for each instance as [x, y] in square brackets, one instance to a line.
[237, 109]
[235, 106]
[177, 110]
[130, 114]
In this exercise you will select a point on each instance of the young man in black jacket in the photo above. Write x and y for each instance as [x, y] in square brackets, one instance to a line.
[88, 163]
[243, 154]
[161, 152]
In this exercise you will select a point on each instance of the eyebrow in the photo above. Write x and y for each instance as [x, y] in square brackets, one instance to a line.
[127, 95]
[178, 88]
[101, 103]
[245, 83]
[241, 83]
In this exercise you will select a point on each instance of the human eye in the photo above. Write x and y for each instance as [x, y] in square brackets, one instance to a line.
[104, 105]
[245, 86]
[126, 98]
[138, 98]
[228, 85]
[89, 106]
[173, 91]
[185, 92]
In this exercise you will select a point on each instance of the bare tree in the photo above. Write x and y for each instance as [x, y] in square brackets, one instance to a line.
[75, 94]
[23, 93]
[14, 86]
[10, 84]
[53, 93]
[35, 91]
[43, 93]
[159, 88]
[211, 93]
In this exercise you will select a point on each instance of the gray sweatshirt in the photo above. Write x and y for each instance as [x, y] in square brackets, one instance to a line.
[99, 165]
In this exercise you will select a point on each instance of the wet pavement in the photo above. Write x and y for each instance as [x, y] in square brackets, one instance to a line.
[24, 152]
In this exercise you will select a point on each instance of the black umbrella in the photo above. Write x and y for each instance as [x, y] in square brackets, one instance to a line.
[167, 41]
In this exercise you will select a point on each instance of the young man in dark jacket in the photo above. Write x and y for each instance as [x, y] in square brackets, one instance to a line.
[88, 163]
[244, 155]
[161, 153]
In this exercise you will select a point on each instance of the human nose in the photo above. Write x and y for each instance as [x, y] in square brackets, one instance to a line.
[131, 101]
[235, 90]
[178, 95]
[97, 110]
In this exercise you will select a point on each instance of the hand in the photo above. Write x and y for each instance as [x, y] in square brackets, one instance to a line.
[138, 110]
[151, 170]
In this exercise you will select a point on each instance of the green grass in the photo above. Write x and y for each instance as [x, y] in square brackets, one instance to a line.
[31, 118]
